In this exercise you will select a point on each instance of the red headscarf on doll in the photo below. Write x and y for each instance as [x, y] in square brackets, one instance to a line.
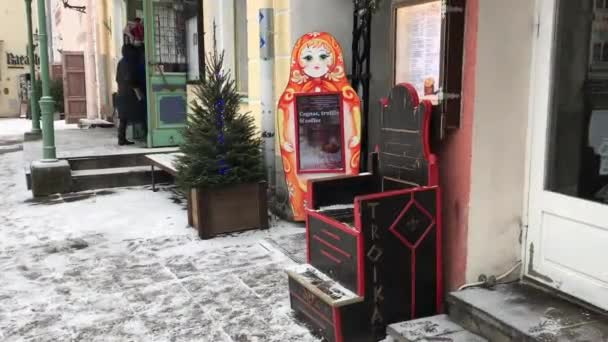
[317, 65]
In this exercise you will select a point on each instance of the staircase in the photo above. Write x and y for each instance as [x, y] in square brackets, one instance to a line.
[512, 312]
[111, 171]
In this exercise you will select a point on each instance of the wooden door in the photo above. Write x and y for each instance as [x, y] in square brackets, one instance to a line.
[74, 87]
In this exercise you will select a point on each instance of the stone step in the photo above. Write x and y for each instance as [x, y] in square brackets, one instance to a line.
[519, 312]
[436, 328]
[108, 161]
[116, 177]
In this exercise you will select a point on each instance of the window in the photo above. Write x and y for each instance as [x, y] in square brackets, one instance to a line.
[577, 163]
[176, 35]
[241, 55]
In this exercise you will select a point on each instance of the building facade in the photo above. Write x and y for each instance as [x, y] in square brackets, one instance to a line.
[524, 174]
[14, 64]
[89, 37]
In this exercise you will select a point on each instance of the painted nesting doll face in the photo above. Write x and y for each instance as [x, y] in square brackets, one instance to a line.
[316, 58]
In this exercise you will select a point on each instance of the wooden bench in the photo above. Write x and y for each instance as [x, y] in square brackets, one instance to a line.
[163, 161]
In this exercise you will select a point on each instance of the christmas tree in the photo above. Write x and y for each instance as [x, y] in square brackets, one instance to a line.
[221, 146]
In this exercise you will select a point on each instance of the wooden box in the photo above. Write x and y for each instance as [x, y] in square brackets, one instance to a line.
[228, 209]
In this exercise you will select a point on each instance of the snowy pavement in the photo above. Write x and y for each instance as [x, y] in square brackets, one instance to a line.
[122, 265]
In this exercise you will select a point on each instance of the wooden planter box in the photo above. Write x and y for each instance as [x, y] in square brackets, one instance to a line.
[229, 209]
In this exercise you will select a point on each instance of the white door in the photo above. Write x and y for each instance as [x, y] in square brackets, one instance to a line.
[567, 239]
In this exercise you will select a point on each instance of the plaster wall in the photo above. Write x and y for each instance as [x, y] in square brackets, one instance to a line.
[13, 39]
[504, 48]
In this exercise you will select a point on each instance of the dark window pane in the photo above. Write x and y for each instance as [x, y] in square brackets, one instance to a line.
[578, 138]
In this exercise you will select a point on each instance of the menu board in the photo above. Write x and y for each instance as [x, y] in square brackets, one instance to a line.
[319, 133]
[418, 47]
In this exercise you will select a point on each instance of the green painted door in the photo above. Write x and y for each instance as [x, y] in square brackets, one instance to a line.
[166, 72]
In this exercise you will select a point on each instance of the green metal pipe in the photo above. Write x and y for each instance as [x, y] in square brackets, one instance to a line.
[30, 54]
[47, 105]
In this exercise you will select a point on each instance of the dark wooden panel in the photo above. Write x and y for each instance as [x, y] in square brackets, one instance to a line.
[340, 190]
[404, 149]
[333, 252]
[312, 310]
[400, 245]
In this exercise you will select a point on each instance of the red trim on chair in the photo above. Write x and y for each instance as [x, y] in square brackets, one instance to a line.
[325, 318]
[433, 171]
[389, 194]
[306, 215]
[334, 223]
[331, 235]
[311, 317]
[413, 92]
[360, 251]
[413, 293]
[331, 246]
[338, 325]
[439, 253]
[310, 192]
[330, 257]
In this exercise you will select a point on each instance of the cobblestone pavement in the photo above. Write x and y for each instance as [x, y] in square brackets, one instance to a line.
[121, 265]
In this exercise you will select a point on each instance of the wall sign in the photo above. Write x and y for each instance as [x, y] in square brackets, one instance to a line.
[13, 60]
[319, 118]
[319, 127]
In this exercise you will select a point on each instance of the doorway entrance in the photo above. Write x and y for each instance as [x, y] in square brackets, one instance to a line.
[167, 62]
[567, 241]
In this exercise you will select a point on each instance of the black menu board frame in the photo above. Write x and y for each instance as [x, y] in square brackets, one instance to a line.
[299, 121]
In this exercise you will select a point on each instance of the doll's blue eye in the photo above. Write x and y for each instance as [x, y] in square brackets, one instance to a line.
[308, 58]
[324, 57]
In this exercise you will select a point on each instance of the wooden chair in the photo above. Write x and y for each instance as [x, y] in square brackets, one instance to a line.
[374, 240]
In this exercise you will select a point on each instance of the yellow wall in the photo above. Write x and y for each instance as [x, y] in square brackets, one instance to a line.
[215, 11]
[282, 45]
[105, 55]
[13, 39]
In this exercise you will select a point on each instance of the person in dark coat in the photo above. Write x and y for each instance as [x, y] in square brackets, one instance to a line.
[131, 91]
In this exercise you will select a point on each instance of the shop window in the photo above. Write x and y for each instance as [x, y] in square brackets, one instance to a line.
[427, 52]
[241, 55]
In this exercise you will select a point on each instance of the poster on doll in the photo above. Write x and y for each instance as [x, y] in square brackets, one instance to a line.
[320, 133]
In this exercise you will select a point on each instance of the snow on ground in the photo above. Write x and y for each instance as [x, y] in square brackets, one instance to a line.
[122, 265]
[18, 126]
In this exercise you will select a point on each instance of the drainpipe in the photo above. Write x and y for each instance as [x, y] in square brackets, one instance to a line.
[36, 131]
[266, 16]
[91, 68]
[49, 28]
[47, 105]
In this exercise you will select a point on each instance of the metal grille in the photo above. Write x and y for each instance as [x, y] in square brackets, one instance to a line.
[169, 34]
[361, 51]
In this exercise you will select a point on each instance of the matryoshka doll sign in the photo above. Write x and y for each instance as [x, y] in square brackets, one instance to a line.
[319, 118]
